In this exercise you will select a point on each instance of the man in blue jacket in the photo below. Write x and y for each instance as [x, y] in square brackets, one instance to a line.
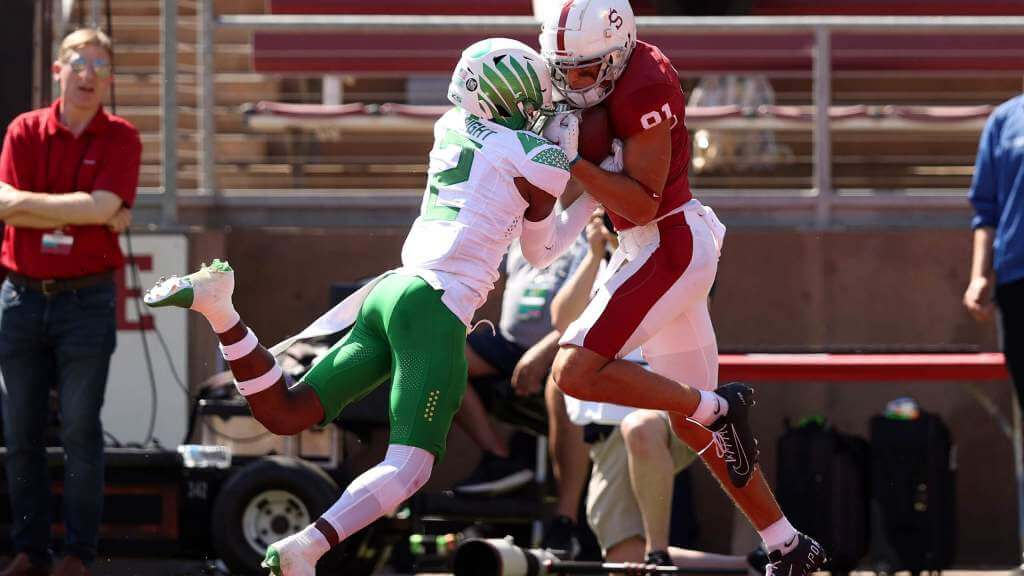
[998, 254]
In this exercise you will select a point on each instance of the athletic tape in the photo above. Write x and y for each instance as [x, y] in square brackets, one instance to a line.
[241, 348]
[256, 385]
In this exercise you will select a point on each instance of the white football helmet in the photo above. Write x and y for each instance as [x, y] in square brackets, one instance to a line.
[584, 33]
[504, 81]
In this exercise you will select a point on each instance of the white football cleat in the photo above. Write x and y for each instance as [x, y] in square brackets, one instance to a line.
[202, 290]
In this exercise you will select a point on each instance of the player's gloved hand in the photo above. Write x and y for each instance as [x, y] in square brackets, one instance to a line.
[613, 163]
[564, 129]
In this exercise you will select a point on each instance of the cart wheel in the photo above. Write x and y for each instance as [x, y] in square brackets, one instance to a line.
[263, 502]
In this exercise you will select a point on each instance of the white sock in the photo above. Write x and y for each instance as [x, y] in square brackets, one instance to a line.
[779, 536]
[221, 317]
[300, 551]
[711, 408]
[211, 297]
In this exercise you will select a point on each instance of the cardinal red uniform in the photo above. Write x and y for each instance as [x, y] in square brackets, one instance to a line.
[654, 293]
[647, 94]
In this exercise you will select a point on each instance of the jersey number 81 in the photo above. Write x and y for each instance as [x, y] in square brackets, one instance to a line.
[654, 117]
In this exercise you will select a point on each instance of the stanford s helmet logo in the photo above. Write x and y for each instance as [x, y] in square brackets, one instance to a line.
[614, 19]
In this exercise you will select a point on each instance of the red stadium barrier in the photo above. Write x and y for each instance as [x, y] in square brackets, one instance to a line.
[862, 367]
[420, 7]
[715, 112]
[414, 110]
[806, 113]
[641, 7]
[365, 53]
[286, 109]
[411, 7]
[941, 113]
[277, 116]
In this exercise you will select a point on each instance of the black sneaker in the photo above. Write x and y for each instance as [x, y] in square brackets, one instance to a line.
[734, 440]
[496, 475]
[658, 558]
[798, 557]
[561, 539]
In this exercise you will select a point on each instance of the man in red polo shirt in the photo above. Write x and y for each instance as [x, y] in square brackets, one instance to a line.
[68, 175]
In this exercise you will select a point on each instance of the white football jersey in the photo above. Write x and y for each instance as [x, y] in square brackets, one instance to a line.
[471, 209]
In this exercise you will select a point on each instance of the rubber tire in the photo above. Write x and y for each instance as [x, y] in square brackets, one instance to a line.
[307, 482]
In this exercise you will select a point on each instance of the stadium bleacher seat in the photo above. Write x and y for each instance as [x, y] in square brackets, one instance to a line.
[879, 78]
[887, 7]
[416, 7]
[942, 159]
[419, 7]
[692, 53]
[356, 117]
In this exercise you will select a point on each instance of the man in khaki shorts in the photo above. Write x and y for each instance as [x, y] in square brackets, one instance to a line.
[635, 459]
[629, 502]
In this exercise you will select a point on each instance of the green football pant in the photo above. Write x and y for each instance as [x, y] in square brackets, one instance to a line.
[404, 331]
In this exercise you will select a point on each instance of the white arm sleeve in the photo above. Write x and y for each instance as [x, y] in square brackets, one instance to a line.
[544, 241]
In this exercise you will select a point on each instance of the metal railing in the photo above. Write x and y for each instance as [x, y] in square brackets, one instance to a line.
[820, 206]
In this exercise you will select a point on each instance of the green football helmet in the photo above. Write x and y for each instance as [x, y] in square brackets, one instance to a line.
[504, 81]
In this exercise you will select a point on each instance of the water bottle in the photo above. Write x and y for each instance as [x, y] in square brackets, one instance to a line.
[203, 456]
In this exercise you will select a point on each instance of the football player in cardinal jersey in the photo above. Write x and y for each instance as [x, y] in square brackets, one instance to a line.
[654, 295]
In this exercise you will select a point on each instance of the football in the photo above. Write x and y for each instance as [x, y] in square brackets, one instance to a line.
[595, 134]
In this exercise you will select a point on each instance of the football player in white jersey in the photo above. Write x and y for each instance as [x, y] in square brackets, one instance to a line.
[491, 180]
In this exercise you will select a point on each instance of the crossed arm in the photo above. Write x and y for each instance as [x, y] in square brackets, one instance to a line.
[24, 209]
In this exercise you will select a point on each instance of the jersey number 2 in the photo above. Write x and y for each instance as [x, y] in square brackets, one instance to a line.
[455, 175]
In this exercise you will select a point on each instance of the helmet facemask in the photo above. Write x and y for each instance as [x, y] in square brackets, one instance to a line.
[612, 64]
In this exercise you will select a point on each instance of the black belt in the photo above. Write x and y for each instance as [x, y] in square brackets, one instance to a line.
[58, 285]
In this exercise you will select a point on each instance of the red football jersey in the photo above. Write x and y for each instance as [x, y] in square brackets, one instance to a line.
[647, 94]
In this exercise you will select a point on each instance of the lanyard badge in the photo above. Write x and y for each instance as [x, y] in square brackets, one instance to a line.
[57, 243]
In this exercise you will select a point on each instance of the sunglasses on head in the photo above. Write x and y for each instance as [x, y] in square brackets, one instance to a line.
[100, 66]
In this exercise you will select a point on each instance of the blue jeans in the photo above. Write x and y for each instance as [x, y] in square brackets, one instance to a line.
[64, 340]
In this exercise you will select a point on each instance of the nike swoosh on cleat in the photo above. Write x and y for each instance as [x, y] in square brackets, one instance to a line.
[742, 465]
[718, 406]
